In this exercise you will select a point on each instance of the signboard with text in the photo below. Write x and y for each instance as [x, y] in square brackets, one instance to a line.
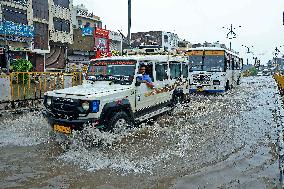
[14, 29]
[215, 53]
[195, 53]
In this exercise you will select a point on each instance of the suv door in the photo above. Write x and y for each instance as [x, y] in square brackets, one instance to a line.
[163, 83]
[144, 95]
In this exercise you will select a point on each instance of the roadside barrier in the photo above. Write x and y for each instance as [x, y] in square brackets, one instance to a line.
[19, 86]
[280, 82]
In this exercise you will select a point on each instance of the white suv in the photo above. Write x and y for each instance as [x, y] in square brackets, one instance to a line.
[112, 93]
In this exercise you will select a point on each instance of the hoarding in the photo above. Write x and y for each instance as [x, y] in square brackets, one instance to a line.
[88, 31]
[14, 29]
[101, 37]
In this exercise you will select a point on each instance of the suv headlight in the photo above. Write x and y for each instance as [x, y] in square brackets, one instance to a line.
[48, 101]
[95, 106]
[86, 106]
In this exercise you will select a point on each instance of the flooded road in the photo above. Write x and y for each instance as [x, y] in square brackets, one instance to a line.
[215, 141]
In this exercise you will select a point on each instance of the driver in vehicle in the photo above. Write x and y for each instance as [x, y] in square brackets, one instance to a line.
[145, 78]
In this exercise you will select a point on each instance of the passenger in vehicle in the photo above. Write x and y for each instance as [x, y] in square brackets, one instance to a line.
[145, 78]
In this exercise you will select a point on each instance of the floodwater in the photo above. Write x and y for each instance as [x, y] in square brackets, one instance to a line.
[215, 141]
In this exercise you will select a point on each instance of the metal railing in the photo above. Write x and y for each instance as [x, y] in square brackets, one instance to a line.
[32, 85]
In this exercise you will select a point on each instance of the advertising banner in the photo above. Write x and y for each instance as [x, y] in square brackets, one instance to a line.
[102, 43]
[14, 29]
[87, 31]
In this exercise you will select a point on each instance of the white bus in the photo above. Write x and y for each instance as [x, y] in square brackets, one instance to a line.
[213, 69]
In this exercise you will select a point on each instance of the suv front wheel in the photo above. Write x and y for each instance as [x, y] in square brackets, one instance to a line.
[178, 99]
[119, 121]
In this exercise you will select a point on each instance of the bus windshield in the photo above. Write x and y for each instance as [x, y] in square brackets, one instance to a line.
[120, 71]
[195, 62]
[207, 61]
[214, 63]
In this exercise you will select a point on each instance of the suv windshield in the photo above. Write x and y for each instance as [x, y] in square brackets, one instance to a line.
[118, 71]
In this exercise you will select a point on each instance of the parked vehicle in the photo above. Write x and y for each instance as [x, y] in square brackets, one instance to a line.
[213, 69]
[113, 94]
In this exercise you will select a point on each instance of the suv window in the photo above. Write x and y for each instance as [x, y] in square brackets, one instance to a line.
[185, 70]
[149, 69]
[161, 71]
[175, 70]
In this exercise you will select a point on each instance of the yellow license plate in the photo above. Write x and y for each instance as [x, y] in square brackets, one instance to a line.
[62, 129]
[200, 89]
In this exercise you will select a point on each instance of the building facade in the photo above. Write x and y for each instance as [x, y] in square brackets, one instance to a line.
[38, 30]
[116, 41]
[16, 30]
[84, 24]
[90, 39]
[167, 40]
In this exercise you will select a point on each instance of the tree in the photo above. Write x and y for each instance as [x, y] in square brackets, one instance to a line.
[22, 65]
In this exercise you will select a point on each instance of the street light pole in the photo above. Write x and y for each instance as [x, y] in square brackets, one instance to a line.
[248, 51]
[231, 34]
[276, 53]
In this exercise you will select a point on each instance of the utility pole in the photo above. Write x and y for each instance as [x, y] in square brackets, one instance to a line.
[129, 23]
[231, 34]
[256, 62]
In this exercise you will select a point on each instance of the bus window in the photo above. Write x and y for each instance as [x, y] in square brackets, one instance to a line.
[175, 70]
[161, 71]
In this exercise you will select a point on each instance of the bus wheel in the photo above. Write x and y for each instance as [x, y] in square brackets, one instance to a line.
[227, 87]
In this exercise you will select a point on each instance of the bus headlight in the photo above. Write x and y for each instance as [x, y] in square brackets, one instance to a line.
[95, 106]
[86, 106]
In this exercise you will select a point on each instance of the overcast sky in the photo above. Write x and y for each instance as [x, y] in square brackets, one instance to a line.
[201, 20]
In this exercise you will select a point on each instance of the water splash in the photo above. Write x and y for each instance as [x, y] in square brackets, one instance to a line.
[26, 130]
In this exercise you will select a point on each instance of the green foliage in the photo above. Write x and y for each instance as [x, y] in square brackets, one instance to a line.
[253, 71]
[22, 65]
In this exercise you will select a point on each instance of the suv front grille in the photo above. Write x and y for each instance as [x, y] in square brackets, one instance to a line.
[66, 108]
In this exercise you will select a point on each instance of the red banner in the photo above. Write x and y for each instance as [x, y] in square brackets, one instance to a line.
[101, 37]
